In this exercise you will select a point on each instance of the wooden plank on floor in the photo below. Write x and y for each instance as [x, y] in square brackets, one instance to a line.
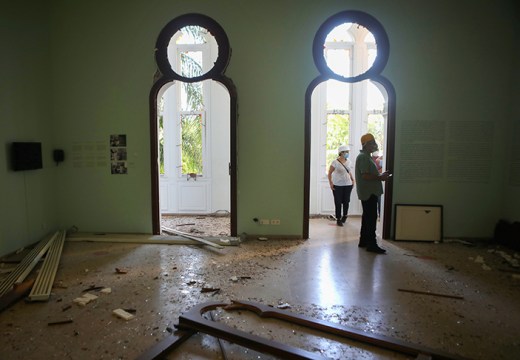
[28, 263]
[161, 349]
[186, 235]
[146, 239]
[41, 290]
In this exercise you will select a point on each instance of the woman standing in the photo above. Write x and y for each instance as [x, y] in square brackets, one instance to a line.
[341, 183]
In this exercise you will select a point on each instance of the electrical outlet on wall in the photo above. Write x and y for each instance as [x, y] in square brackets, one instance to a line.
[275, 222]
[264, 221]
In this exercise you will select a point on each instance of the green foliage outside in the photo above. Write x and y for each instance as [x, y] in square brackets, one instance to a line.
[338, 133]
[376, 123]
[161, 145]
[160, 110]
[191, 125]
[191, 144]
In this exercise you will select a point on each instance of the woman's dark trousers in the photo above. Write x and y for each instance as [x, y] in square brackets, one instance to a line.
[341, 199]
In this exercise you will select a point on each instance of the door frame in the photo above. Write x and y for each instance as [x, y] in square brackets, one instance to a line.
[164, 75]
[374, 74]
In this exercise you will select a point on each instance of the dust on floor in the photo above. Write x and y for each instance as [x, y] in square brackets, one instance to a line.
[199, 225]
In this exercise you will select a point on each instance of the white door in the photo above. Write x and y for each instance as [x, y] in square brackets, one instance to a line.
[194, 131]
[342, 112]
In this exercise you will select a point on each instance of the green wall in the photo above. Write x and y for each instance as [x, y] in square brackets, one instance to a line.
[453, 61]
[512, 171]
[27, 210]
[448, 60]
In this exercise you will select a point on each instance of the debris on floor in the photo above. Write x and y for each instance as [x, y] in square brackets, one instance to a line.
[431, 293]
[284, 306]
[188, 236]
[60, 322]
[122, 314]
[512, 260]
[325, 277]
[85, 299]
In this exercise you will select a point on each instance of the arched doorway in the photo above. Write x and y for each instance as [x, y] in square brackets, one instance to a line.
[358, 57]
[184, 63]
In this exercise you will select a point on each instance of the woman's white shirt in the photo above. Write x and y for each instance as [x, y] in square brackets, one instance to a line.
[340, 176]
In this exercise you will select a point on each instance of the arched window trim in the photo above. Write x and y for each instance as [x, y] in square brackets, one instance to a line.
[166, 75]
[374, 74]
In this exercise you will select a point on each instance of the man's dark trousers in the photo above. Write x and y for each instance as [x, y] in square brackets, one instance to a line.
[368, 223]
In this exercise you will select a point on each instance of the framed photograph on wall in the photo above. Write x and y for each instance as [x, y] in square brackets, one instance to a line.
[418, 222]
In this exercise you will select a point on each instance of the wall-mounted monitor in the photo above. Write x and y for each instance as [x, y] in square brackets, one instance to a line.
[26, 156]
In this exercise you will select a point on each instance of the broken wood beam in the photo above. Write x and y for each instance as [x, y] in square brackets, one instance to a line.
[432, 294]
[195, 321]
[188, 236]
[145, 239]
[159, 350]
[60, 322]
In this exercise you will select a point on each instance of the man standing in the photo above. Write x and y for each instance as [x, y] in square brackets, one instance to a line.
[369, 188]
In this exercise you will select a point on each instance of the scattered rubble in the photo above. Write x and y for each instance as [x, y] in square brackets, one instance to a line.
[125, 315]
[85, 299]
[166, 281]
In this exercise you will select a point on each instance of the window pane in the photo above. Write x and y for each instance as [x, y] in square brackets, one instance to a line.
[192, 35]
[372, 54]
[376, 126]
[340, 33]
[370, 39]
[339, 61]
[191, 97]
[338, 95]
[191, 63]
[160, 113]
[375, 99]
[338, 131]
[191, 144]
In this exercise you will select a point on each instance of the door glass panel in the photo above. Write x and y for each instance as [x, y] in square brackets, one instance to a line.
[339, 47]
[160, 121]
[338, 95]
[192, 98]
[340, 33]
[186, 48]
[376, 126]
[375, 99]
[191, 35]
[338, 132]
[191, 63]
[340, 61]
[191, 143]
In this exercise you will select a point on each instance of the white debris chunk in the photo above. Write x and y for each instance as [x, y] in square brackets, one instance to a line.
[120, 313]
[85, 299]
[485, 267]
[233, 278]
[284, 306]
[510, 259]
[106, 290]
[479, 259]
